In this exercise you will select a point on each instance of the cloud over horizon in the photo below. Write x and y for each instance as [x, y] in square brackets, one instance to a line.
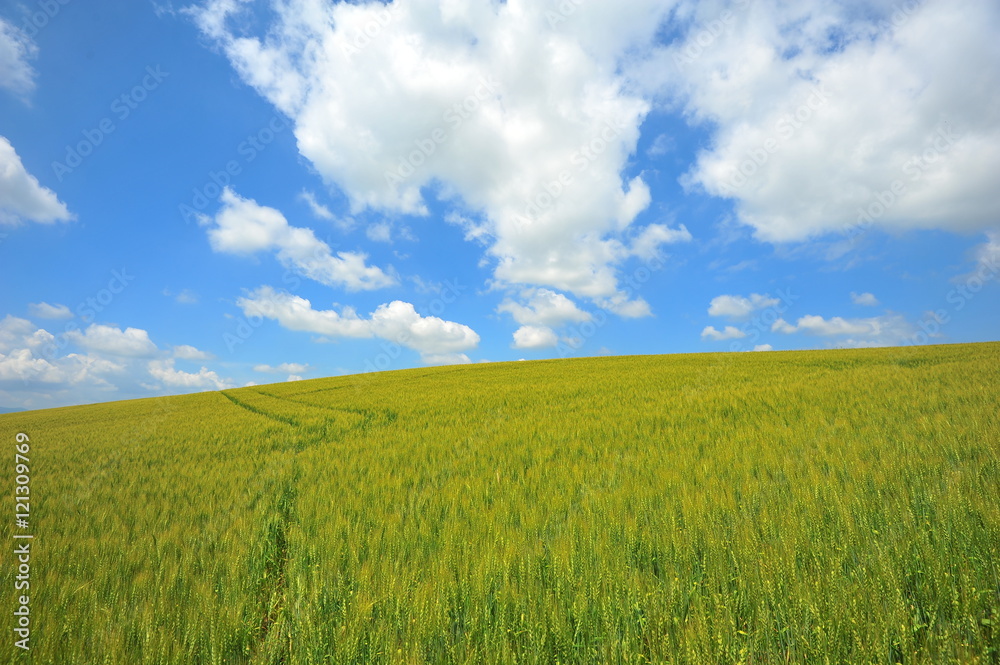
[515, 114]
[397, 322]
[837, 117]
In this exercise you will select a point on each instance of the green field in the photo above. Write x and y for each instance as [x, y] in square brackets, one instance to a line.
[803, 507]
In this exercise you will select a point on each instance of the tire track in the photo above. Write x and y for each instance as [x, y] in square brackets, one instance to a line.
[370, 417]
[249, 407]
[272, 645]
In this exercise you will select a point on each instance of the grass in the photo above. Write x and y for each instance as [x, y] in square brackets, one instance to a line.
[803, 507]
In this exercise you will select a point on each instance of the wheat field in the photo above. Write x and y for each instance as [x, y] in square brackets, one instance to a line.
[837, 506]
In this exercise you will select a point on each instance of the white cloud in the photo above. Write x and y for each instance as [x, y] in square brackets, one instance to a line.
[71, 370]
[988, 253]
[825, 105]
[188, 352]
[522, 118]
[131, 342]
[21, 364]
[476, 231]
[864, 299]
[534, 337]
[320, 211]
[283, 368]
[89, 367]
[16, 49]
[386, 232]
[729, 332]
[662, 145]
[22, 198]
[204, 379]
[296, 313]
[243, 227]
[987, 258]
[28, 355]
[294, 377]
[763, 347]
[44, 310]
[738, 307]
[544, 308]
[34, 373]
[397, 322]
[18, 333]
[634, 201]
[625, 308]
[187, 297]
[887, 330]
[379, 232]
[646, 245]
[817, 325]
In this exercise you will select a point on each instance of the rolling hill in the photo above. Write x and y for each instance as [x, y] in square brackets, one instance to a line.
[822, 506]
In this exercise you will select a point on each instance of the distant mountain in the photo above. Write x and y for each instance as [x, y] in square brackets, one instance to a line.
[10, 409]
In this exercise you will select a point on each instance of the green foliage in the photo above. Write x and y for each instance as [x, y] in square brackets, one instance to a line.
[803, 507]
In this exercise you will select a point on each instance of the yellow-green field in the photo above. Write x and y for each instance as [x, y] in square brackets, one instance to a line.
[803, 507]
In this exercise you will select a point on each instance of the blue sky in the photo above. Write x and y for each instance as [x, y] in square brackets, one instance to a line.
[203, 196]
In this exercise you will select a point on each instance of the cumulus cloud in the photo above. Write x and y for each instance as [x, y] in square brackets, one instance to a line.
[17, 335]
[16, 49]
[16, 332]
[397, 322]
[203, 379]
[21, 364]
[646, 245]
[26, 362]
[242, 226]
[131, 342]
[886, 330]
[44, 310]
[19, 340]
[625, 308]
[816, 109]
[36, 371]
[74, 369]
[523, 118]
[188, 352]
[544, 307]
[817, 325]
[738, 307]
[22, 198]
[864, 299]
[729, 332]
[535, 337]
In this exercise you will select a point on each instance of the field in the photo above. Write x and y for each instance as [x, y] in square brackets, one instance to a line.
[802, 507]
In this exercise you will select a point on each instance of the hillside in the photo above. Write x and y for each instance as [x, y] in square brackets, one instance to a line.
[839, 506]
